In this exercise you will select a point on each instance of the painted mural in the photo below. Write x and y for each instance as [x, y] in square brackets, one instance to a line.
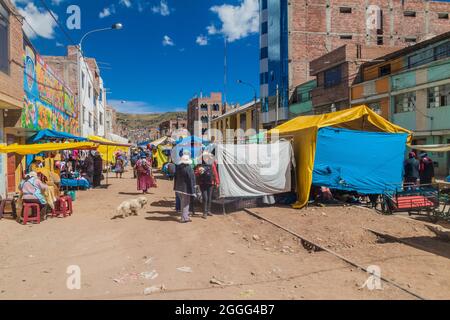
[48, 104]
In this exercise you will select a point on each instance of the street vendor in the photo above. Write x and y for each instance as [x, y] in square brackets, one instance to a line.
[32, 191]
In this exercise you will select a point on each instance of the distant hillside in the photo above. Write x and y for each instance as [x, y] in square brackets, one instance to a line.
[134, 121]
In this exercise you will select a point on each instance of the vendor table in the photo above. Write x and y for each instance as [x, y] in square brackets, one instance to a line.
[75, 183]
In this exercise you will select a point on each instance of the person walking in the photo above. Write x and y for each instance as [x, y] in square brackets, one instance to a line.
[98, 169]
[184, 186]
[119, 166]
[134, 159]
[426, 171]
[145, 179]
[207, 179]
[411, 169]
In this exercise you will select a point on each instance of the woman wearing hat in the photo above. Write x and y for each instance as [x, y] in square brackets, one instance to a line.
[184, 185]
[145, 178]
[207, 179]
[32, 190]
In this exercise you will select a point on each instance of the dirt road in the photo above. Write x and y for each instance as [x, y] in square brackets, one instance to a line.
[120, 258]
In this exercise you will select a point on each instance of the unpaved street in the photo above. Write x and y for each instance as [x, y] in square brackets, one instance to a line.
[251, 259]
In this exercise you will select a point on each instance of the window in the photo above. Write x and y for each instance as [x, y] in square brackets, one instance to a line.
[345, 10]
[405, 102]
[346, 36]
[439, 96]
[442, 51]
[84, 114]
[333, 77]
[204, 107]
[263, 4]
[443, 15]
[380, 40]
[411, 39]
[100, 118]
[375, 106]
[90, 120]
[89, 90]
[4, 39]
[409, 14]
[264, 27]
[264, 53]
[385, 70]
[264, 78]
[216, 107]
[82, 80]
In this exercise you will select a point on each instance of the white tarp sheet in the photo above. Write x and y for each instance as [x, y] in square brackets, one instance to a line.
[251, 170]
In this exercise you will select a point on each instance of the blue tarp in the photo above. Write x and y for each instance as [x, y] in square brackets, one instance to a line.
[52, 134]
[365, 162]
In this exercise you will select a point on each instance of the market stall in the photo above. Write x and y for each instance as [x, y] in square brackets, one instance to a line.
[305, 132]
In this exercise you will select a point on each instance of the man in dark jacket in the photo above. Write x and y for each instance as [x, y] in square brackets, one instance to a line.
[98, 169]
[207, 179]
[411, 168]
[184, 185]
[426, 169]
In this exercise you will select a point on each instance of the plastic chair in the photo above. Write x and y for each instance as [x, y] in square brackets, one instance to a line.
[28, 213]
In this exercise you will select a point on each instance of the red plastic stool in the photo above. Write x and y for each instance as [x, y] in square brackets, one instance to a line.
[63, 206]
[69, 205]
[28, 213]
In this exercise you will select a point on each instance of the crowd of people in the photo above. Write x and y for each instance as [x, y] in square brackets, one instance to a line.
[418, 170]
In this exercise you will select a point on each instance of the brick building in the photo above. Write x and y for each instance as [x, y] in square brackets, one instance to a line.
[11, 86]
[201, 110]
[293, 33]
[166, 128]
[335, 73]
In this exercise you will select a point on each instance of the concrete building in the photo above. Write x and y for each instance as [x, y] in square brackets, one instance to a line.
[166, 128]
[83, 76]
[335, 72]
[202, 110]
[11, 88]
[411, 88]
[110, 120]
[240, 119]
[293, 33]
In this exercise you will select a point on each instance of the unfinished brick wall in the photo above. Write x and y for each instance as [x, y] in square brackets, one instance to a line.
[318, 26]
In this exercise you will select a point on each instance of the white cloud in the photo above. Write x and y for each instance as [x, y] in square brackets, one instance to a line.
[202, 40]
[126, 3]
[167, 41]
[237, 21]
[39, 22]
[108, 11]
[163, 8]
[212, 30]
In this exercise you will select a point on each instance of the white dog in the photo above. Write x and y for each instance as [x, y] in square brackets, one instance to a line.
[131, 207]
[124, 209]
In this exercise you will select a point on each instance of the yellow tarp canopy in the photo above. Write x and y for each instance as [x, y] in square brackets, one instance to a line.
[161, 158]
[44, 147]
[108, 148]
[304, 131]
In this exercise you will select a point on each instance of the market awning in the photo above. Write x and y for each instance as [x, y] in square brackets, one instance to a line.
[108, 148]
[27, 149]
[106, 142]
[432, 147]
[52, 134]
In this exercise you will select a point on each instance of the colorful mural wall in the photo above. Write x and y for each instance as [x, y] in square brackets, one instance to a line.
[48, 103]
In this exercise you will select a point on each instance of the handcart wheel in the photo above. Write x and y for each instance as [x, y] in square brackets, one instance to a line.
[433, 216]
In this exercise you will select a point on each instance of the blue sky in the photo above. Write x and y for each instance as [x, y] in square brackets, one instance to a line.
[167, 52]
